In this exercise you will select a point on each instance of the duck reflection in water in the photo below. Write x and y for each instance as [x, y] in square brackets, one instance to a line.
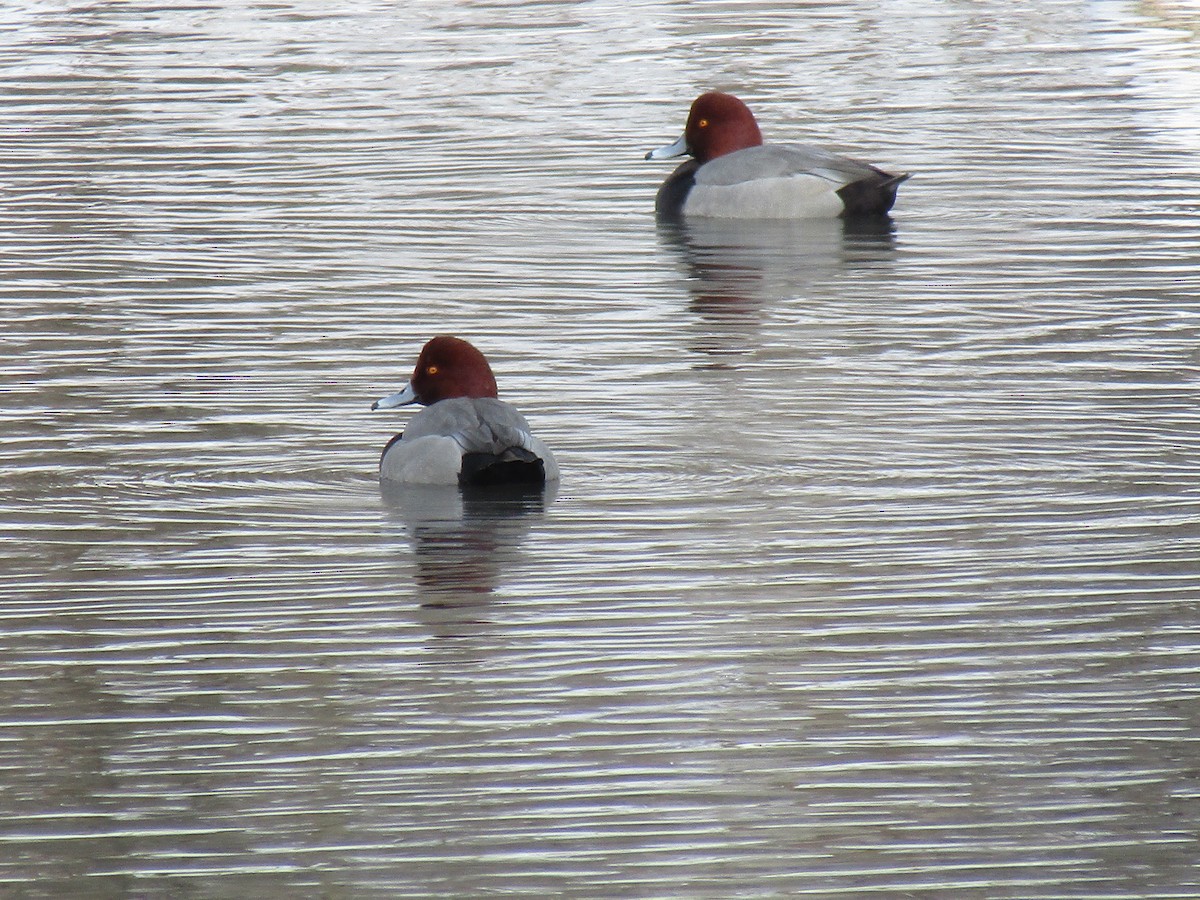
[464, 539]
[737, 267]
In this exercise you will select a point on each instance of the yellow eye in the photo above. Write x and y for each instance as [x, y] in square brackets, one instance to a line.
[431, 370]
[703, 123]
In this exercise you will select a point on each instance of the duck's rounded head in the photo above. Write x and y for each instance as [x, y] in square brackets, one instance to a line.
[718, 124]
[447, 367]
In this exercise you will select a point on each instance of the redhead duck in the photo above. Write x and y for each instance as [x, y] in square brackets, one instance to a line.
[735, 175]
[465, 435]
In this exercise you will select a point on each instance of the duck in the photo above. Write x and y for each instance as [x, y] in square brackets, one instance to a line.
[465, 435]
[733, 174]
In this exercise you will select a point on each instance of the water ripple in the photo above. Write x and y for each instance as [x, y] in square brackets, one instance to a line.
[873, 568]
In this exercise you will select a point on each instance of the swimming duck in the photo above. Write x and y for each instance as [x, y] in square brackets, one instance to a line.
[735, 175]
[465, 435]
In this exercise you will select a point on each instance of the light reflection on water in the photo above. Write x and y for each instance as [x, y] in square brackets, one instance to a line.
[873, 568]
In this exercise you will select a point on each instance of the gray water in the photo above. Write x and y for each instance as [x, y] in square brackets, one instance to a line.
[875, 565]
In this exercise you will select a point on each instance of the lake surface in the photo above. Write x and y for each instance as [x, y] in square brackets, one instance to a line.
[875, 566]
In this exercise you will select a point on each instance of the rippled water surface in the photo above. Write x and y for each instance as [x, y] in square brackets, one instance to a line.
[875, 566]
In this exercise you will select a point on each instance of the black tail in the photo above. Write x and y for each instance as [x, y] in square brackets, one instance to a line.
[872, 196]
[512, 466]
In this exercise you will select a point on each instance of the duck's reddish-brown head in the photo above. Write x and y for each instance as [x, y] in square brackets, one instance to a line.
[447, 367]
[451, 367]
[718, 124]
